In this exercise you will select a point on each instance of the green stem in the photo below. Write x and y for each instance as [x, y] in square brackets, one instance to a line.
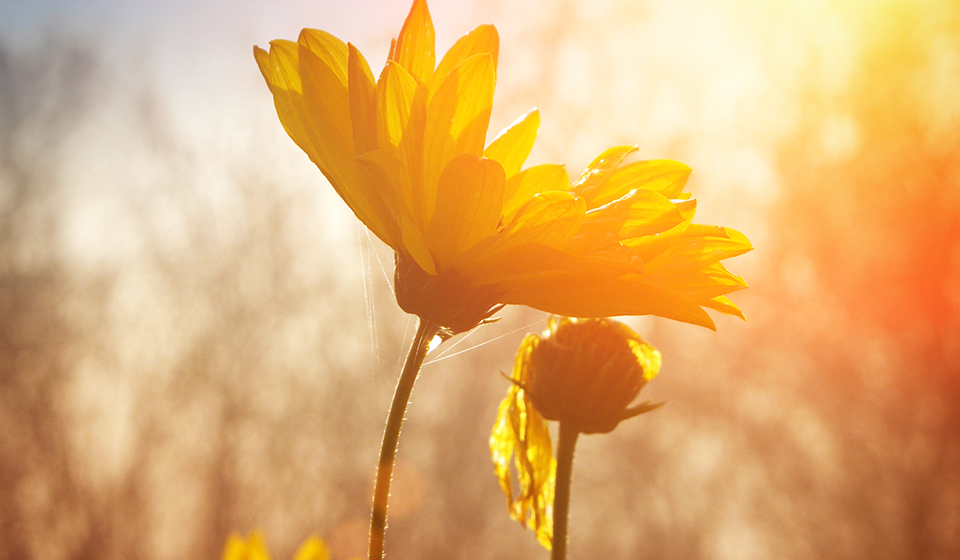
[561, 496]
[391, 436]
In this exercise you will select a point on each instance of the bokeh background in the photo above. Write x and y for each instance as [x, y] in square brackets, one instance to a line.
[197, 337]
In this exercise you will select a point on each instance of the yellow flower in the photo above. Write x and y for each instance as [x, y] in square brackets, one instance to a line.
[471, 229]
[254, 548]
[581, 372]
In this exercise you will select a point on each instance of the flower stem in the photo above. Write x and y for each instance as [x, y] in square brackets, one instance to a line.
[391, 436]
[561, 496]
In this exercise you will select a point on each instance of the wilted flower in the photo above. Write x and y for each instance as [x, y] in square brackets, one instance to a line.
[254, 548]
[471, 229]
[583, 373]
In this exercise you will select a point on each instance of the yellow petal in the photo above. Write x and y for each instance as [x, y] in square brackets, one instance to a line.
[551, 218]
[363, 102]
[512, 146]
[707, 283]
[414, 48]
[664, 176]
[630, 294]
[699, 246]
[521, 434]
[326, 104]
[598, 173]
[331, 50]
[483, 39]
[400, 118]
[312, 549]
[457, 118]
[386, 173]
[319, 127]
[724, 305]
[529, 182]
[640, 213]
[253, 548]
[650, 246]
[647, 356]
[469, 200]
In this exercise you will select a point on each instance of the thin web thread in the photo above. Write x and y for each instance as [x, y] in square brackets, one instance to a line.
[444, 355]
[369, 302]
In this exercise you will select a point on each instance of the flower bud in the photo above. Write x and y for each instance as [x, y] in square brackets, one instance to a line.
[586, 372]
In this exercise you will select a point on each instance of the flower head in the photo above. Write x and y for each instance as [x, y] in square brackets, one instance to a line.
[583, 373]
[471, 228]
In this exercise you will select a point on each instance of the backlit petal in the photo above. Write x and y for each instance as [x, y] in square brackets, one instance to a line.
[483, 39]
[457, 117]
[363, 102]
[469, 200]
[520, 433]
[512, 146]
[331, 50]
[414, 49]
[400, 118]
[529, 182]
[594, 180]
[664, 176]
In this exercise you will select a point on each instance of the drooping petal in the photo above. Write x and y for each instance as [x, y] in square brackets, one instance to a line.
[512, 146]
[469, 200]
[520, 433]
[414, 49]
[363, 102]
[594, 179]
[457, 118]
[483, 39]
[529, 182]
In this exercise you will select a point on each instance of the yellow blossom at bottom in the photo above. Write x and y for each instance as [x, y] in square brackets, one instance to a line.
[254, 548]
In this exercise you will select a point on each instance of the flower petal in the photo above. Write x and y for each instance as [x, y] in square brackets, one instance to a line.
[639, 213]
[400, 118]
[331, 50]
[313, 549]
[469, 200]
[512, 146]
[724, 305]
[551, 218]
[594, 180]
[483, 39]
[414, 49]
[457, 118]
[664, 176]
[699, 246]
[520, 433]
[532, 181]
[385, 172]
[629, 294]
[363, 102]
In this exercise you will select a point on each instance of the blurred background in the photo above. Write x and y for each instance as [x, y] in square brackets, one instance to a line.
[198, 338]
